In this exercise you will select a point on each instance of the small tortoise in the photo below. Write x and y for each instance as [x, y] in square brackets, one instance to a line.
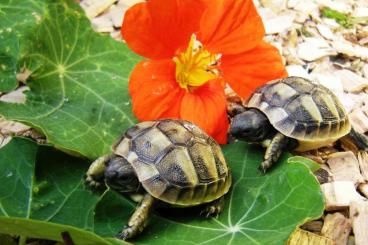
[296, 114]
[167, 161]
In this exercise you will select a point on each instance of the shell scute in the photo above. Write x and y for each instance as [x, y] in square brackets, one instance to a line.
[175, 132]
[151, 145]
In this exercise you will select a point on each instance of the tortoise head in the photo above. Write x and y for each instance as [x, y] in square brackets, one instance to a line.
[251, 125]
[120, 176]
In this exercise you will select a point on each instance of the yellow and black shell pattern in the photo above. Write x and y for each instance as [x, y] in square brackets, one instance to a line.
[175, 161]
[303, 110]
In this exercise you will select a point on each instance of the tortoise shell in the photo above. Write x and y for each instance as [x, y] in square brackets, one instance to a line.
[175, 161]
[303, 110]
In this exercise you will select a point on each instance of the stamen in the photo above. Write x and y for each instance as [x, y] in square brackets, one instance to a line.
[195, 66]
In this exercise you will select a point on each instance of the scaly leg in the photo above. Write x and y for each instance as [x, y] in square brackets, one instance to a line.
[139, 218]
[278, 143]
[213, 209]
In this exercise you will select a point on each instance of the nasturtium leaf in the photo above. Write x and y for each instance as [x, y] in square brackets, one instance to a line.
[52, 231]
[260, 209]
[312, 165]
[79, 84]
[42, 193]
[18, 20]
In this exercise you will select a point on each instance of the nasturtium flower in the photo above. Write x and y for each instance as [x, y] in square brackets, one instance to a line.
[193, 48]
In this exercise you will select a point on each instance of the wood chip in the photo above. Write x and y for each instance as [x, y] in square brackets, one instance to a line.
[314, 48]
[302, 237]
[350, 49]
[325, 31]
[363, 164]
[345, 167]
[365, 70]
[341, 6]
[297, 70]
[102, 23]
[10, 127]
[329, 80]
[313, 226]
[279, 24]
[351, 81]
[4, 139]
[116, 35]
[94, 8]
[359, 217]
[276, 5]
[360, 12]
[117, 15]
[336, 227]
[359, 119]
[303, 6]
[23, 75]
[16, 96]
[339, 194]
[352, 101]
[363, 188]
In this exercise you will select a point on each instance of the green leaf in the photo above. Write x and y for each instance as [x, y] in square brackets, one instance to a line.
[261, 209]
[18, 19]
[42, 199]
[79, 84]
[312, 165]
[51, 231]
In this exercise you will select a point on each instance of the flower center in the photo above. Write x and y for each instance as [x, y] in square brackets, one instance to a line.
[195, 66]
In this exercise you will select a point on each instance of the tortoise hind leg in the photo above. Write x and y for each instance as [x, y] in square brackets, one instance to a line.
[214, 208]
[139, 218]
[360, 140]
[274, 149]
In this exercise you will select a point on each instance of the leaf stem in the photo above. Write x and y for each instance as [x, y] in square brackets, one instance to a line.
[22, 240]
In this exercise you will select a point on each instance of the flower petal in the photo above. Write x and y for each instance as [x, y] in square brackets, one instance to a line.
[247, 71]
[220, 134]
[154, 91]
[158, 28]
[206, 107]
[230, 26]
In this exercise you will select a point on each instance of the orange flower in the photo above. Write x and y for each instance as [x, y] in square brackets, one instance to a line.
[194, 47]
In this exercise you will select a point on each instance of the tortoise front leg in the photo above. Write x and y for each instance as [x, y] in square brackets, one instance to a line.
[278, 143]
[139, 218]
[96, 171]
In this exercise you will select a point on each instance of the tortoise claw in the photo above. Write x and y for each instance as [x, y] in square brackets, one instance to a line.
[211, 212]
[262, 169]
[123, 235]
[96, 185]
[127, 232]
[213, 209]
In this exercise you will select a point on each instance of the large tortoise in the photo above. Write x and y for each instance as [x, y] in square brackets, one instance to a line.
[167, 161]
[296, 114]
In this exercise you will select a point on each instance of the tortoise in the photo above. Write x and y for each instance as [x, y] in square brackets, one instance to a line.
[170, 162]
[293, 113]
